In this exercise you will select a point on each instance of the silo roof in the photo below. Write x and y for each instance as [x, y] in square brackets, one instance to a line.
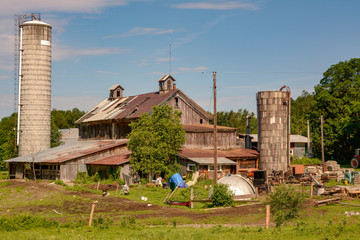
[36, 22]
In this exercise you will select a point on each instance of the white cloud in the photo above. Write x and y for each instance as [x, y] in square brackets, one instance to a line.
[195, 69]
[165, 59]
[65, 52]
[218, 5]
[141, 31]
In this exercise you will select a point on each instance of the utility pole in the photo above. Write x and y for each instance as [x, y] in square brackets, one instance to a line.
[308, 139]
[322, 143]
[215, 131]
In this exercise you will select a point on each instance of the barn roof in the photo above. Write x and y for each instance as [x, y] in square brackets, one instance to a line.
[132, 107]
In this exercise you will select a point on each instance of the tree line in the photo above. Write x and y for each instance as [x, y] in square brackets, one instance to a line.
[60, 119]
[336, 98]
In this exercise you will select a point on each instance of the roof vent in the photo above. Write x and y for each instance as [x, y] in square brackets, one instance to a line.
[116, 92]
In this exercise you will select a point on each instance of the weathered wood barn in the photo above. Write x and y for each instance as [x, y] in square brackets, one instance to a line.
[102, 131]
[110, 119]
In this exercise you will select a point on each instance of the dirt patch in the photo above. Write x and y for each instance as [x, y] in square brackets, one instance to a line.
[76, 204]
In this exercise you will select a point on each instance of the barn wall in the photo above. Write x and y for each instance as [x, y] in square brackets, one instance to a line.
[189, 114]
[225, 140]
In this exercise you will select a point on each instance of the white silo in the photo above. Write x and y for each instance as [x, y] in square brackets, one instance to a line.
[34, 111]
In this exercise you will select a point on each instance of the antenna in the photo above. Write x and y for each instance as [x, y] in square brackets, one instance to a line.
[170, 55]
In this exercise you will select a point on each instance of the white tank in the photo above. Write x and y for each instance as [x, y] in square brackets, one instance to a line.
[34, 87]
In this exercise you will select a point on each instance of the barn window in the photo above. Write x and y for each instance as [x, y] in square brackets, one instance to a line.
[201, 121]
[118, 93]
[176, 101]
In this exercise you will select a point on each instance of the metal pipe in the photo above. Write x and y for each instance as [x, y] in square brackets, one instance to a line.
[19, 102]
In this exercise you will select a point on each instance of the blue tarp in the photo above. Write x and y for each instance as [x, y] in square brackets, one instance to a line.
[177, 180]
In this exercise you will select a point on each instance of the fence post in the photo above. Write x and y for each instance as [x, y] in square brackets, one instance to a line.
[267, 216]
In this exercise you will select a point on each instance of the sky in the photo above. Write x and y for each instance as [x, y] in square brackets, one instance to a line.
[253, 45]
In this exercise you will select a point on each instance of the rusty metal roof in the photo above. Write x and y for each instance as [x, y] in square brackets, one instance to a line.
[132, 107]
[210, 161]
[206, 128]
[115, 160]
[71, 151]
[190, 153]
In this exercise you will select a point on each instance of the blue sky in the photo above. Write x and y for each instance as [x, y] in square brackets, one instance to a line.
[255, 45]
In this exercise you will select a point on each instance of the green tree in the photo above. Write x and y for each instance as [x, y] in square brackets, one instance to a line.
[301, 109]
[155, 139]
[337, 100]
[237, 120]
[7, 139]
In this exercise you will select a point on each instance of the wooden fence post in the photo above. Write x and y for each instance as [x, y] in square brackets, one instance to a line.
[257, 192]
[311, 189]
[267, 216]
[303, 187]
[191, 197]
[98, 186]
[139, 191]
[92, 212]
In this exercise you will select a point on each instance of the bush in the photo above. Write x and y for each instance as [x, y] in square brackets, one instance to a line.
[60, 182]
[221, 195]
[285, 203]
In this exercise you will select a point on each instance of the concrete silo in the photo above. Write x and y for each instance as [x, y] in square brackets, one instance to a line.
[273, 109]
[34, 111]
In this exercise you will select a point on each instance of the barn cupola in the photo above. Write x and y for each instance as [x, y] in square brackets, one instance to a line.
[166, 84]
[116, 92]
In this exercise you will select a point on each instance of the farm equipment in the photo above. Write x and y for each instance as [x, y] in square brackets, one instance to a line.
[355, 162]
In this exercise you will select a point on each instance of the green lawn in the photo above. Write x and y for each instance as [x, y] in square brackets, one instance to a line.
[4, 175]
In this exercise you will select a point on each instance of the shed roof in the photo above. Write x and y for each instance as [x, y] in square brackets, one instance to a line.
[69, 152]
[114, 160]
[209, 161]
[293, 138]
[190, 153]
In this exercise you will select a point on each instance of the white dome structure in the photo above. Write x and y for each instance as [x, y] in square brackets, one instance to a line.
[239, 185]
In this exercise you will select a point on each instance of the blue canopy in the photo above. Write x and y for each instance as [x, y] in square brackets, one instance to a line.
[178, 181]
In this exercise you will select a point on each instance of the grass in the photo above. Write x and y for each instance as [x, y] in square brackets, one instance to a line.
[338, 229]
[4, 175]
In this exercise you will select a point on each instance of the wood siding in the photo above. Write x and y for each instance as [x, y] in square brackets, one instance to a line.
[225, 140]
[189, 113]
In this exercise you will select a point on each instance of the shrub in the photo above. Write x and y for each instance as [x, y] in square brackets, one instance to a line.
[285, 203]
[102, 223]
[222, 196]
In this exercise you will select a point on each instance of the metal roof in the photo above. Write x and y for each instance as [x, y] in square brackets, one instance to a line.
[69, 152]
[210, 161]
[293, 138]
[132, 107]
[166, 77]
[115, 160]
[190, 153]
